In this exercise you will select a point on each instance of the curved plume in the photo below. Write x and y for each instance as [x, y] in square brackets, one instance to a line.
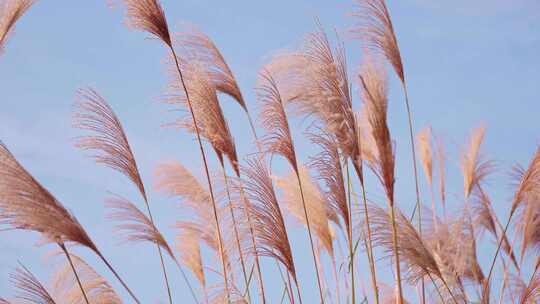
[315, 80]
[29, 289]
[188, 245]
[106, 138]
[270, 232]
[425, 152]
[148, 16]
[211, 122]
[475, 168]
[526, 293]
[413, 250]
[454, 245]
[317, 212]
[377, 32]
[175, 180]
[374, 90]
[274, 120]
[529, 225]
[135, 225]
[441, 157]
[197, 46]
[98, 290]
[26, 205]
[527, 181]
[327, 163]
[10, 12]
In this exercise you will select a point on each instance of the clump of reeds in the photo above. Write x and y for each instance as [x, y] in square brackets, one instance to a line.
[241, 218]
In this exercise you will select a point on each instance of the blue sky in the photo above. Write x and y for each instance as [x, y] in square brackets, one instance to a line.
[467, 63]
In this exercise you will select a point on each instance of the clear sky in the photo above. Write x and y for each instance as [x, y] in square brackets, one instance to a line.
[467, 62]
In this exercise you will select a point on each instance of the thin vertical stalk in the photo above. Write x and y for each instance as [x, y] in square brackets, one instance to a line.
[334, 269]
[253, 242]
[248, 214]
[64, 249]
[160, 253]
[118, 277]
[297, 289]
[396, 254]
[205, 163]
[184, 276]
[415, 169]
[235, 229]
[499, 247]
[319, 283]
[351, 251]
[369, 246]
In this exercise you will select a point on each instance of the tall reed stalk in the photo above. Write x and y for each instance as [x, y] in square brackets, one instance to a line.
[108, 140]
[235, 230]
[64, 249]
[279, 141]
[148, 16]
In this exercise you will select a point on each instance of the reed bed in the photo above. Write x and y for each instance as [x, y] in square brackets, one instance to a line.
[243, 213]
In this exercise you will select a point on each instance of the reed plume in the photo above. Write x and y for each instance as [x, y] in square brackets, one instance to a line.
[376, 31]
[441, 157]
[413, 250]
[527, 185]
[197, 46]
[268, 223]
[188, 246]
[426, 153]
[316, 82]
[279, 141]
[108, 141]
[134, 224]
[10, 12]
[529, 221]
[26, 205]
[29, 288]
[474, 166]
[317, 212]
[214, 128]
[65, 287]
[176, 181]
[373, 83]
[327, 163]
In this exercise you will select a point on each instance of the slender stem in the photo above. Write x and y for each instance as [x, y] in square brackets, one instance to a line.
[252, 126]
[415, 169]
[499, 247]
[396, 254]
[164, 270]
[118, 277]
[350, 236]
[259, 147]
[334, 269]
[297, 289]
[371, 260]
[437, 288]
[253, 242]
[64, 249]
[310, 237]
[370, 247]
[448, 288]
[184, 276]
[235, 228]
[214, 207]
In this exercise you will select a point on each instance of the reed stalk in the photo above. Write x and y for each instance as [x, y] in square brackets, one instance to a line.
[64, 249]
[235, 229]
[207, 172]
